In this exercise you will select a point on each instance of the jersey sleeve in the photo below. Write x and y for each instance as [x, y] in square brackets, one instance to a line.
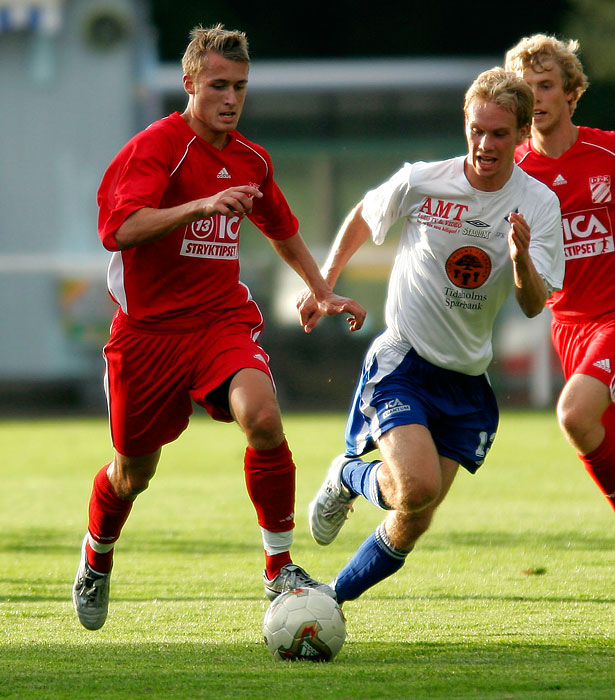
[271, 213]
[383, 206]
[546, 239]
[136, 178]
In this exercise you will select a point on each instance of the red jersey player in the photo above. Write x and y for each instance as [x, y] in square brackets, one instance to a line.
[171, 205]
[578, 164]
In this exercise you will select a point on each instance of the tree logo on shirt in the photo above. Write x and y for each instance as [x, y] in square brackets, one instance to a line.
[468, 267]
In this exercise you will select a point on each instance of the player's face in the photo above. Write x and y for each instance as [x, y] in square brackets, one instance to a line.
[492, 135]
[552, 104]
[216, 98]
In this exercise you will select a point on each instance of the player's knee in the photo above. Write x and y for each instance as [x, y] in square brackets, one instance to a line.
[263, 427]
[135, 487]
[130, 477]
[132, 483]
[574, 422]
[416, 496]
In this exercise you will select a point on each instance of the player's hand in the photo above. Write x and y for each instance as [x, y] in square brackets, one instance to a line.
[235, 201]
[518, 237]
[311, 311]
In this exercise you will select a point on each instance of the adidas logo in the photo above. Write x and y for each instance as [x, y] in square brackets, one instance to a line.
[603, 364]
[559, 180]
[223, 174]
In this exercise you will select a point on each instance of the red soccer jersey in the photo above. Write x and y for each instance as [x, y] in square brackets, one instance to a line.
[193, 272]
[583, 179]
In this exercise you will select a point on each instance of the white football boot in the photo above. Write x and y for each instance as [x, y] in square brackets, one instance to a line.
[332, 505]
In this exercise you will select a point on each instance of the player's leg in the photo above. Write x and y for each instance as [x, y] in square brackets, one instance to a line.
[388, 400]
[149, 405]
[268, 464]
[270, 476]
[410, 477]
[382, 483]
[419, 463]
[587, 418]
[116, 486]
[585, 410]
[114, 490]
[415, 478]
[580, 408]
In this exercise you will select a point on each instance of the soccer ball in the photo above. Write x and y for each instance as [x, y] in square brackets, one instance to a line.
[304, 624]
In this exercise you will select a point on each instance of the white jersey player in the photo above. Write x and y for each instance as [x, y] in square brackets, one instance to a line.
[452, 271]
[474, 228]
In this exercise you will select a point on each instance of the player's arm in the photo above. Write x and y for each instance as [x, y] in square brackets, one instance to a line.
[530, 289]
[351, 236]
[147, 225]
[295, 253]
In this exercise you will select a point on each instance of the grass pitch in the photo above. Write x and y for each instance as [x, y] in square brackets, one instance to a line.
[509, 595]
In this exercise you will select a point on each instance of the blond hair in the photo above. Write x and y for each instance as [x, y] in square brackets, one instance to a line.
[505, 89]
[231, 44]
[538, 50]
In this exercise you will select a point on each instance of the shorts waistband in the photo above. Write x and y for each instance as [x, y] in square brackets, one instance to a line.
[166, 327]
[582, 320]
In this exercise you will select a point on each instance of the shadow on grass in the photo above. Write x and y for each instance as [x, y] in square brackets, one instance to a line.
[363, 670]
[571, 540]
[58, 542]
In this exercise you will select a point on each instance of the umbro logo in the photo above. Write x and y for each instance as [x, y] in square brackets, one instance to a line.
[559, 180]
[603, 364]
[478, 223]
[223, 174]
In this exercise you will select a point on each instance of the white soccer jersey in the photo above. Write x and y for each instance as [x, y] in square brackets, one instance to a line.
[452, 270]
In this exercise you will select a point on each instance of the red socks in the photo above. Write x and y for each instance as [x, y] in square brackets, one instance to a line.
[273, 563]
[600, 464]
[270, 479]
[108, 514]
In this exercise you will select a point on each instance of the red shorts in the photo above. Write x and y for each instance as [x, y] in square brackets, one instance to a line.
[587, 348]
[152, 377]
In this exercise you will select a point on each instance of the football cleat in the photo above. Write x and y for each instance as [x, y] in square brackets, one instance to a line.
[332, 505]
[90, 594]
[290, 577]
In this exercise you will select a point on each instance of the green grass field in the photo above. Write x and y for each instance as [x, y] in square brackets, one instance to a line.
[509, 595]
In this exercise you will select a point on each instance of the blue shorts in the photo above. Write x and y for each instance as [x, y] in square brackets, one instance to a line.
[459, 410]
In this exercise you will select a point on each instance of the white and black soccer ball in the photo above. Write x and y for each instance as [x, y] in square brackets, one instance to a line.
[304, 624]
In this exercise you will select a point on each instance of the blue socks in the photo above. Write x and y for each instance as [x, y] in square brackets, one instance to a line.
[362, 478]
[375, 560]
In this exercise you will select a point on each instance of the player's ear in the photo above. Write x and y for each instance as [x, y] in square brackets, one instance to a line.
[188, 84]
[523, 134]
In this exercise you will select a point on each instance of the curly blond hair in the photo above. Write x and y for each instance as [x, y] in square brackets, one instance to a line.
[540, 51]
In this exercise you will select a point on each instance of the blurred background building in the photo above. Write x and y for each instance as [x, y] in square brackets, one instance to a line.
[339, 115]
